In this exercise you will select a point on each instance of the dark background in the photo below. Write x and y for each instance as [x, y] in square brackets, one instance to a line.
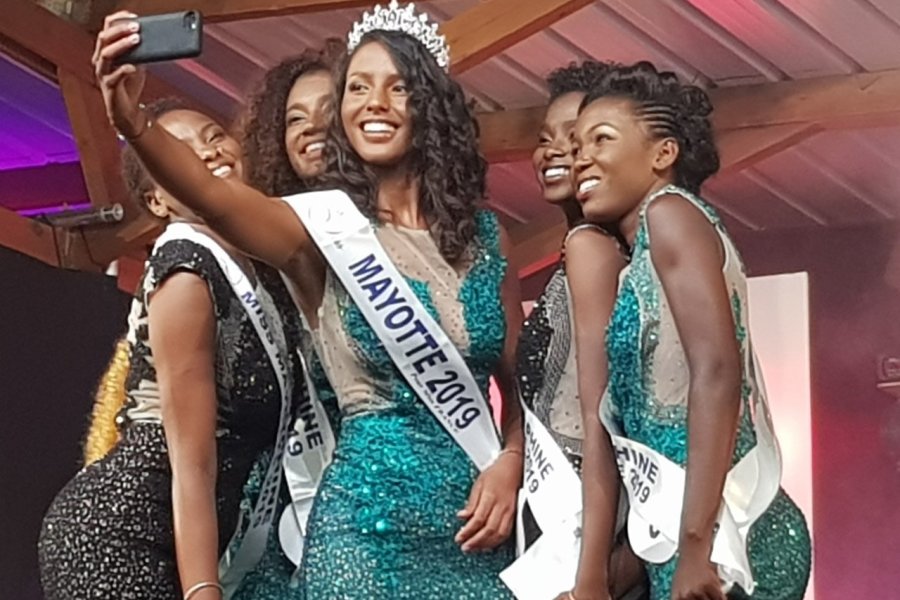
[57, 333]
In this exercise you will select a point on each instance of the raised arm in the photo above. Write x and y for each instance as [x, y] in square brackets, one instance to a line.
[688, 257]
[182, 335]
[261, 226]
[593, 263]
[491, 509]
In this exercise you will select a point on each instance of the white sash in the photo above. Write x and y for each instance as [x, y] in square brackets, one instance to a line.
[416, 343]
[309, 450]
[655, 487]
[234, 565]
[553, 492]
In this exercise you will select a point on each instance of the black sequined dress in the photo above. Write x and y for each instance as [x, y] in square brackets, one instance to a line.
[108, 534]
[546, 371]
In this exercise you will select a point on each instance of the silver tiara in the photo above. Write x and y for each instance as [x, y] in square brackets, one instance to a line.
[394, 18]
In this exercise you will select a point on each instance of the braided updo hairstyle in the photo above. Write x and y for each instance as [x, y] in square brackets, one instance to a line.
[670, 109]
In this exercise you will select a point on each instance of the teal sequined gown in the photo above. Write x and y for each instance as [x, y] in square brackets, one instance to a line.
[648, 389]
[273, 577]
[384, 521]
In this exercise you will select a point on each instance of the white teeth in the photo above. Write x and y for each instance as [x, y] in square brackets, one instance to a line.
[555, 172]
[223, 171]
[314, 147]
[377, 127]
[588, 184]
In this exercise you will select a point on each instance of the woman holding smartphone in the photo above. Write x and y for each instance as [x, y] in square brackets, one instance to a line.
[402, 511]
[204, 399]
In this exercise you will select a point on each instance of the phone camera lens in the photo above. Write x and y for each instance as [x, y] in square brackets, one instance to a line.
[190, 20]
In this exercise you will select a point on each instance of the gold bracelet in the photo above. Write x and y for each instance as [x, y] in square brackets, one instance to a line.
[192, 591]
[518, 451]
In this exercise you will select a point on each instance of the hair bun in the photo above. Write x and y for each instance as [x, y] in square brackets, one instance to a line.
[695, 101]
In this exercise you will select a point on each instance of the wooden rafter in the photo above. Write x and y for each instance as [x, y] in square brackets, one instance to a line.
[95, 138]
[492, 26]
[221, 10]
[51, 245]
[741, 148]
[99, 158]
[80, 12]
[42, 33]
[28, 237]
[860, 100]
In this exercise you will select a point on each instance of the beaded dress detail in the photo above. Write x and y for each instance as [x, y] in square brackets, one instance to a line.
[384, 521]
[648, 394]
[273, 577]
[108, 534]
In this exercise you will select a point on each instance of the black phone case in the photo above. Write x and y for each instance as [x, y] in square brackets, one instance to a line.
[167, 37]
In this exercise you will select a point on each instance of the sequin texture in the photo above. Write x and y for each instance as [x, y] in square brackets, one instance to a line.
[384, 521]
[647, 395]
[108, 533]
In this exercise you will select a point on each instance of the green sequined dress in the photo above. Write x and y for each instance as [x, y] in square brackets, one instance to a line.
[273, 577]
[648, 391]
[385, 517]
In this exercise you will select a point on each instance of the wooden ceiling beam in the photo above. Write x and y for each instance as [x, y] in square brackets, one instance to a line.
[224, 10]
[95, 138]
[100, 162]
[741, 148]
[82, 12]
[28, 236]
[51, 245]
[840, 101]
[493, 26]
[39, 31]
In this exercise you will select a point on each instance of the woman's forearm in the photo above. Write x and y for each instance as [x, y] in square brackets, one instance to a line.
[713, 408]
[258, 225]
[600, 491]
[196, 525]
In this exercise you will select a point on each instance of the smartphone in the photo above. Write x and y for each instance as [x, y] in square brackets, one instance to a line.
[167, 37]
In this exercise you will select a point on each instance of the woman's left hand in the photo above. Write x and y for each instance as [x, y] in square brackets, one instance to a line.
[491, 508]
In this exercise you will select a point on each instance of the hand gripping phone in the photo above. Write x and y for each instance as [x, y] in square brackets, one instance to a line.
[167, 37]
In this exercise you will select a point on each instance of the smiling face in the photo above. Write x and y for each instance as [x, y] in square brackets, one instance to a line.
[375, 109]
[211, 142]
[307, 110]
[618, 163]
[552, 159]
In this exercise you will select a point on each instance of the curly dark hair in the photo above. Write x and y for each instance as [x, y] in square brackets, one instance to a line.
[138, 182]
[576, 77]
[444, 157]
[670, 109]
[266, 162]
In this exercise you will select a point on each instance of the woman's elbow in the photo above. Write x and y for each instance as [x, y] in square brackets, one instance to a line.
[719, 377]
